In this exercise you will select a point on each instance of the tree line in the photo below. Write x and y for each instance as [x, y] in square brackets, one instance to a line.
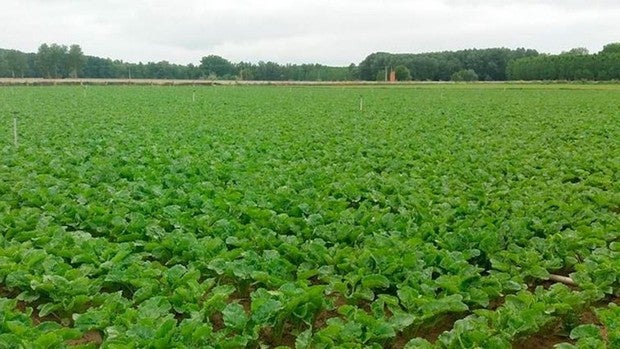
[576, 64]
[493, 64]
[475, 64]
[61, 61]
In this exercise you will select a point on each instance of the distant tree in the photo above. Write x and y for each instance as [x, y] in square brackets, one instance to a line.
[246, 70]
[584, 74]
[465, 75]
[578, 51]
[271, 71]
[611, 48]
[402, 73]
[96, 67]
[43, 60]
[17, 63]
[374, 65]
[381, 75]
[161, 70]
[4, 67]
[51, 59]
[216, 65]
[193, 72]
[424, 67]
[353, 72]
[75, 60]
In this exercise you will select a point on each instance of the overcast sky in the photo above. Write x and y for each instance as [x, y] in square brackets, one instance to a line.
[304, 31]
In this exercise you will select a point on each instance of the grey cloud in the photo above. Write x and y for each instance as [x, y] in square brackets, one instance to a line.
[321, 31]
[563, 4]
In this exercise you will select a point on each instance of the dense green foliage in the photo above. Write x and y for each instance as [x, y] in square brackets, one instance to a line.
[402, 73]
[105, 68]
[601, 66]
[495, 64]
[489, 64]
[56, 61]
[275, 215]
[465, 75]
[59, 61]
[16, 64]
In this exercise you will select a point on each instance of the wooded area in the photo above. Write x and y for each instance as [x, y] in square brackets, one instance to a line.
[569, 66]
[488, 64]
[493, 64]
[59, 61]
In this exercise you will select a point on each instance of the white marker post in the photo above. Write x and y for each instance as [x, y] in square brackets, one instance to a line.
[15, 130]
[361, 103]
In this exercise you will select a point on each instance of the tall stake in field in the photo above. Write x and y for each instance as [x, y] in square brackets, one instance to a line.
[361, 103]
[15, 129]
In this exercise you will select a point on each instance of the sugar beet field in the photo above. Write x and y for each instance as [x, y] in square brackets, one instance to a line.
[439, 216]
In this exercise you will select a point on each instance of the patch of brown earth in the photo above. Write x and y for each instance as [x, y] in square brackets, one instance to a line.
[541, 341]
[274, 339]
[89, 337]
